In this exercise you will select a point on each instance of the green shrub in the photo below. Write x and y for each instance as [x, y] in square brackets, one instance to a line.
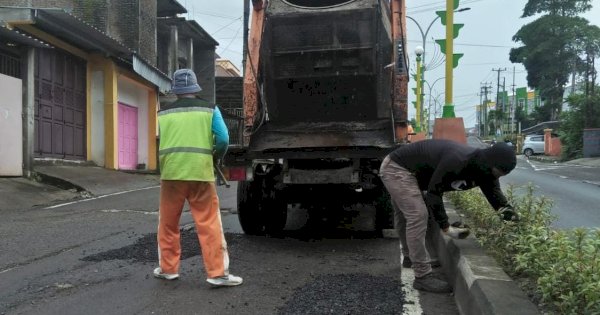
[564, 264]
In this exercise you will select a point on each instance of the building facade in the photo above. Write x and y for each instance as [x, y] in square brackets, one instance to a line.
[88, 69]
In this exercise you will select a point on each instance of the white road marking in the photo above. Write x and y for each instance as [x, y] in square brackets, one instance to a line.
[134, 211]
[412, 303]
[545, 166]
[5, 270]
[100, 197]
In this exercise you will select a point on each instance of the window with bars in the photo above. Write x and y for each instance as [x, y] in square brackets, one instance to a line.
[10, 65]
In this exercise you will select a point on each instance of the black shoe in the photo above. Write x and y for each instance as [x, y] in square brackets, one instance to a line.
[406, 263]
[431, 283]
[439, 274]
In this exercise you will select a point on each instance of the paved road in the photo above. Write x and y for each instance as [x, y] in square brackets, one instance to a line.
[575, 190]
[95, 257]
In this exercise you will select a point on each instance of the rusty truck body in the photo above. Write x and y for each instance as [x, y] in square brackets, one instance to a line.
[325, 88]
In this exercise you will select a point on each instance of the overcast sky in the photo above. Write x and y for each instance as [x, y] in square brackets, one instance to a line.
[485, 40]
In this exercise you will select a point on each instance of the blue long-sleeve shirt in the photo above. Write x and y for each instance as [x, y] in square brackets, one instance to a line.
[221, 133]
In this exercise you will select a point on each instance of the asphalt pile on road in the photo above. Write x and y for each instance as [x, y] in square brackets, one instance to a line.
[347, 294]
[144, 250]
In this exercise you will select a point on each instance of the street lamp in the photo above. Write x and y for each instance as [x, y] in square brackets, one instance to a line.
[430, 86]
[424, 34]
[419, 52]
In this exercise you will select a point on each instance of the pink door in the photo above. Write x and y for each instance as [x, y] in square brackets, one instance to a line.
[128, 137]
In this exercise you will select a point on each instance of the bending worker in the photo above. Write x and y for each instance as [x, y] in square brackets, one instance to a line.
[436, 166]
[189, 128]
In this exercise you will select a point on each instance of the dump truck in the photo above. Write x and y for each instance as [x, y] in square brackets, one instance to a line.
[324, 94]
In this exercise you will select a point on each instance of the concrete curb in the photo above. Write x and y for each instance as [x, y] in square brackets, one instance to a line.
[480, 285]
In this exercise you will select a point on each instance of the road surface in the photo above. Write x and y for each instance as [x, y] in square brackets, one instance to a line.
[575, 190]
[96, 257]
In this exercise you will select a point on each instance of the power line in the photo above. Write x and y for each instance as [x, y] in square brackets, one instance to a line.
[225, 26]
[464, 44]
[232, 40]
[421, 9]
[216, 15]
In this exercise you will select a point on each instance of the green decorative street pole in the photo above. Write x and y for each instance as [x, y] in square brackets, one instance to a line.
[447, 47]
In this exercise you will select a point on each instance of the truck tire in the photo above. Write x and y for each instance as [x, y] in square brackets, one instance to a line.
[275, 214]
[273, 203]
[384, 211]
[248, 203]
[261, 206]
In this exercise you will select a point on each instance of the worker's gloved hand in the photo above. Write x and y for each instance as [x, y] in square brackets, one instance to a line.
[217, 162]
[459, 224]
[508, 213]
[456, 232]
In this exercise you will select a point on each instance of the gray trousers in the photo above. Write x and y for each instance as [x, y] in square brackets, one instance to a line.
[410, 208]
[400, 226]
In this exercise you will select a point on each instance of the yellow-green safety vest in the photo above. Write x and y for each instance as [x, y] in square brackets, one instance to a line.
[186, 141]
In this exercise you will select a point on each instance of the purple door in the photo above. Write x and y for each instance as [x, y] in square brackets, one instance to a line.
[60, 102]
[128, 137]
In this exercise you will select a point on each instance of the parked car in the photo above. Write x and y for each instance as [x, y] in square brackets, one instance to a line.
[533, 144]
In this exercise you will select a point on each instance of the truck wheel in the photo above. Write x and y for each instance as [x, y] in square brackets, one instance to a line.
[384, 213]
[248, 202]
[273, 203]
[275, 213]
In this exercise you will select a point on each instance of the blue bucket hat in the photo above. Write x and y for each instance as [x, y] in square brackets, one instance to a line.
[185, 82]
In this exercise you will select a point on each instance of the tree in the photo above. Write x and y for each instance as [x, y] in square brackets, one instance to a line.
[521, 117]
[556, 7]
[571, 130]
[590, 44]
[552, 46]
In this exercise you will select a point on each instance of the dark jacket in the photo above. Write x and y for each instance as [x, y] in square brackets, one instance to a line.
[444, 165]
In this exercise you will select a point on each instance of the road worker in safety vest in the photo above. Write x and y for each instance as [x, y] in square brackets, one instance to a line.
[192, 136]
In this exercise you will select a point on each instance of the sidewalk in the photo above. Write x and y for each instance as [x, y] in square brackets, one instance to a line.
[480, 284]
[95, 180]
[57, 183]
[593, 162]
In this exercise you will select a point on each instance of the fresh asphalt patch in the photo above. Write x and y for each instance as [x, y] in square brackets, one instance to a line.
[145, 249]
[335, 274]
[347, 294]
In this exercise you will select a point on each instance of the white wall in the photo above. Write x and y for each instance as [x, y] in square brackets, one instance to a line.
[134, 95]
[11, 126]
[97, 136]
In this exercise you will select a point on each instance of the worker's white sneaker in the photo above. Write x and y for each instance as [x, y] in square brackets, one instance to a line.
[225, 281]
[167, 276]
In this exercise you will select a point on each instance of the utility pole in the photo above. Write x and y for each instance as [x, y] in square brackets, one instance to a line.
[486, 88]
[498, 85]
[513, 106]
[246, 30]
[498, 94]
[503, 105]
[480, 113]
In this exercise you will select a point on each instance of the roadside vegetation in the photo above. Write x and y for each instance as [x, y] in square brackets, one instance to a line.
[558, 48]
[559, 269]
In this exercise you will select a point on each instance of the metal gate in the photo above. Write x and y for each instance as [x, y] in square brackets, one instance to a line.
[60, 108]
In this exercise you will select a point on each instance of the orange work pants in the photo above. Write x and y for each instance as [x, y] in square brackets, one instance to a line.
[204, 207]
